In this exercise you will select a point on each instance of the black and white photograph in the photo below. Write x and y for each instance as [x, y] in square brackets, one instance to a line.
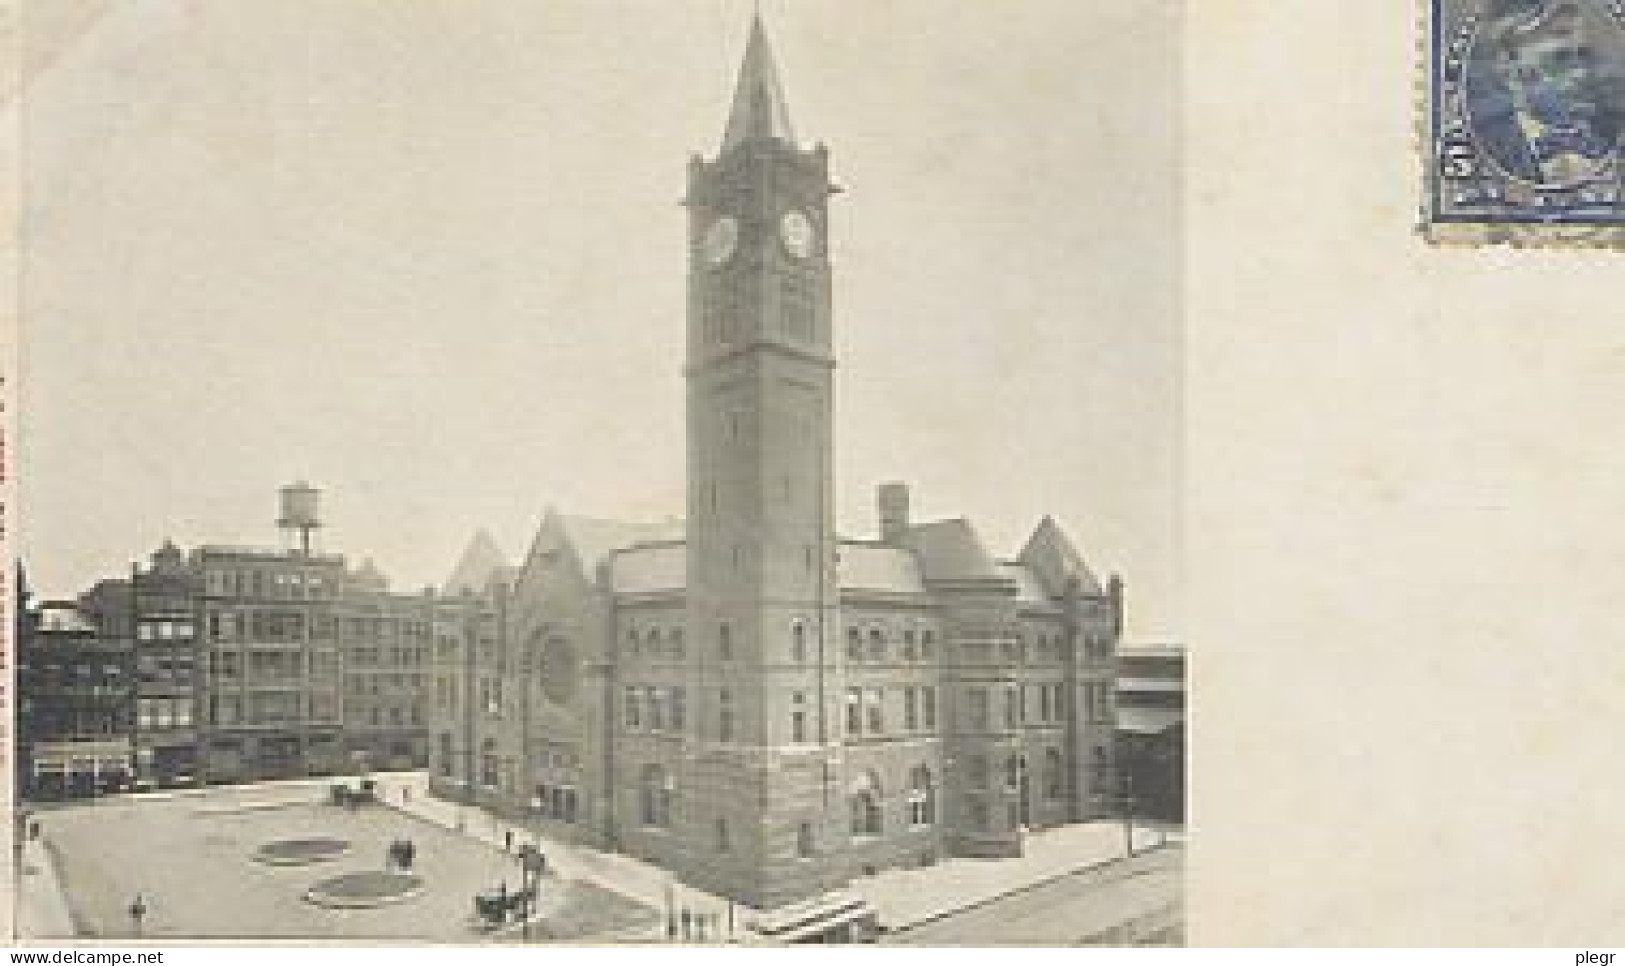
[696, 472]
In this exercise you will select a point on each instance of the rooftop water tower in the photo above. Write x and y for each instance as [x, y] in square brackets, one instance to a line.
[300, 515]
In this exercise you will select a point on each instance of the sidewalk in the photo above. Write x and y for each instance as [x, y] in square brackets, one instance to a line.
[632, 878]
[901, 897]
[41, 906]
[909, 897]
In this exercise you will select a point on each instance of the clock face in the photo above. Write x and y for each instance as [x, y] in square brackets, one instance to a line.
[797, 230]
[720, 239]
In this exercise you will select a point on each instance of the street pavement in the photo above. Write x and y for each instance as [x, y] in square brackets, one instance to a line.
[191, 860]
[1088, 907]
[910, 900]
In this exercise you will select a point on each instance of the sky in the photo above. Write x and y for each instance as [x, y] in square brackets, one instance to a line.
[428, 255]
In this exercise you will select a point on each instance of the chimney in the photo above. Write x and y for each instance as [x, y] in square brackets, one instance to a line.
[892, 499]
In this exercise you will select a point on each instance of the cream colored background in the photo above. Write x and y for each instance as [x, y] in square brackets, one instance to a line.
[1405, 476]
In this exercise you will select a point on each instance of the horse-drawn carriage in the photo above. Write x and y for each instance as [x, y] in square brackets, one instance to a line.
[343, 794]
[495, 907]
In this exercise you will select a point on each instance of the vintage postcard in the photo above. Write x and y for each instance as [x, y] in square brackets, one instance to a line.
[543, 471]
[1526, 121]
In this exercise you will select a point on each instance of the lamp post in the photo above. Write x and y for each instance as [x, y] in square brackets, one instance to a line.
[1127, 800]
[1118, 795]
[138, 912]
[532, 863]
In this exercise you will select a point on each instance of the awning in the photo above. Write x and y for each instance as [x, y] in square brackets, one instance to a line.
[1148, 721]
[1149, 684]
[814, 918]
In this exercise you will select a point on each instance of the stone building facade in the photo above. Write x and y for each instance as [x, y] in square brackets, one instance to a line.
[747, 698]
[247, 664]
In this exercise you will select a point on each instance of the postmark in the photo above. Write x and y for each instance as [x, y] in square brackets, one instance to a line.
[1525, 125]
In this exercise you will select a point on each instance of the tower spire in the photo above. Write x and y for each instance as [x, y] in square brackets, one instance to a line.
[759, 111]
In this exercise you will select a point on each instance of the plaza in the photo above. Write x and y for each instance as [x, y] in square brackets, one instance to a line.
[196, 860]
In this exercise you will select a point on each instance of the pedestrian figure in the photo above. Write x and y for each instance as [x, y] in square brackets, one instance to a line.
[507, 840]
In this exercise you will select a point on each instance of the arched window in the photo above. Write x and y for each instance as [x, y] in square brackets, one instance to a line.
[854, 644]
[866, 805]
[909, 653]
[798, 641]
[677, 649]
[1054, 774]
[922, 797]
[927, 642]
[654, 796]
[877, 644]
[489, 771]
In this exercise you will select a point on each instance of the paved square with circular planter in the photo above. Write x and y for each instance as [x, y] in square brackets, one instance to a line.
[208, 870]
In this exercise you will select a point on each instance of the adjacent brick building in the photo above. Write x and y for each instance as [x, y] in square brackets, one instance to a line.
[76, 705]
[245, 664]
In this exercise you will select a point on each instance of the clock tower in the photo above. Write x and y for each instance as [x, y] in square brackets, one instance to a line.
[760, 801]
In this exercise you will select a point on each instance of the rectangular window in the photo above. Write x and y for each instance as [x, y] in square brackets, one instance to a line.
[679, 709]
[1011, 711]
[725, 716]
[911, 708]
[798, 717]
[876, 708]
[657, 711]
[634, 706]
[980, 712]
[854, 711]
[928, 702]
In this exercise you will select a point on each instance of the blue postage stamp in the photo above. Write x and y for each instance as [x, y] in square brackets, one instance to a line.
[1525, 139]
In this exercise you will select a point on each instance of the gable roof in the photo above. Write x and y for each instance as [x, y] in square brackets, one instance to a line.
[1056, 561]
[593, 539]
[663, 567]
[951, 550]
[482, 560]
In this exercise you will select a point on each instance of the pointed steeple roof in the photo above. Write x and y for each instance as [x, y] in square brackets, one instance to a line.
[482, 560]
[759, 111]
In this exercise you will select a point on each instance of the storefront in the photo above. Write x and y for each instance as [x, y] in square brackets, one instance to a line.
[80, 769]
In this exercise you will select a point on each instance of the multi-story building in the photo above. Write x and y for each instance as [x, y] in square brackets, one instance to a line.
[747, 698]
[246, 664]
[76, 705]
[1151, 728]
[271, 647]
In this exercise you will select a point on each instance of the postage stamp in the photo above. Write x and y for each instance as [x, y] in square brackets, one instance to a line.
[1525, 140]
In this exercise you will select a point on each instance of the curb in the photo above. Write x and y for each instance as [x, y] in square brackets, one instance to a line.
[1022, 889]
